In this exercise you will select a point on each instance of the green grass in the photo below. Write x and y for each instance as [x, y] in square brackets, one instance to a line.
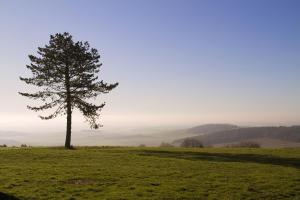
[149, 173]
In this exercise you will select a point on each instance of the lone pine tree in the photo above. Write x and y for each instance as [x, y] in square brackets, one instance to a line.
[66, 74]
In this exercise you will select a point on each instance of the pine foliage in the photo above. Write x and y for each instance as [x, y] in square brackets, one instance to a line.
[66, 74]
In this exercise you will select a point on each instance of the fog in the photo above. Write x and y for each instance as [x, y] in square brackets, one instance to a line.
[122, 130]
[122, 136]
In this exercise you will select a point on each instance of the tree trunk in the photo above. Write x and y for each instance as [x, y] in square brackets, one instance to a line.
[69, 126]
[69, 110]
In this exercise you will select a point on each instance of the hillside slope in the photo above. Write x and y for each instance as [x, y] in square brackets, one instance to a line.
[258, 134]
[149, 173]
[211, 128]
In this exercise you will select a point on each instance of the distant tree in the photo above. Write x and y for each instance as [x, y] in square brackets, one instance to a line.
[246, 144]
[191, 142]
[165, 144]
[66, 73]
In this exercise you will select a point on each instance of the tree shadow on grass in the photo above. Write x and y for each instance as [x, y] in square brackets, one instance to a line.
[4, 196]
[226, 157]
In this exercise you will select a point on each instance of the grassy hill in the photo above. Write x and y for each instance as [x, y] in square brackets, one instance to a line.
[149, 173]
[211, 128]
[266, 136]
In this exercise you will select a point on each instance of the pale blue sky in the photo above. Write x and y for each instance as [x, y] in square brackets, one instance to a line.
[178, 61]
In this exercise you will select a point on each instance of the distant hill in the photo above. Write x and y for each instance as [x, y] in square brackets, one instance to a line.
[266, 136]
[211, 128]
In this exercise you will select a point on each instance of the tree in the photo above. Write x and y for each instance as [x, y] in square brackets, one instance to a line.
[191, 142]
[66, 74]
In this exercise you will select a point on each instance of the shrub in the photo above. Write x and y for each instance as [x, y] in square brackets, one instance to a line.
[3, 145]
[142, 145]
[191, 142]
[247, 144]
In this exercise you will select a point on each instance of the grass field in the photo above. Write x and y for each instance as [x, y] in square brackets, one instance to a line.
[149, 173]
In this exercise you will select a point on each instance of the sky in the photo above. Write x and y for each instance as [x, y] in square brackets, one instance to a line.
[178, 62]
